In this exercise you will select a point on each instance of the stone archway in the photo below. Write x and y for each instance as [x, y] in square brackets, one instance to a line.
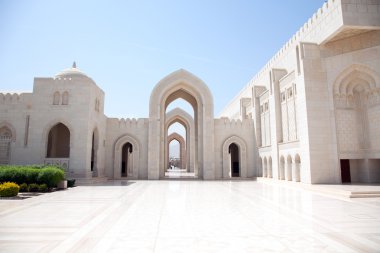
[181, 84]
[49, 139]
[242, 147]
[134, 156]
[182, 149]
[58, 145]
[177, 115]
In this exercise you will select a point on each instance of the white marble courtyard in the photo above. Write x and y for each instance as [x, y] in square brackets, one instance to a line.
[189, 216]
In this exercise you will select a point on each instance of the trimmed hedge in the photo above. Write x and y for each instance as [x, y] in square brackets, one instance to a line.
[34, 187]
[42, 188]
[49, 175]
[9, 189]
[24, 187]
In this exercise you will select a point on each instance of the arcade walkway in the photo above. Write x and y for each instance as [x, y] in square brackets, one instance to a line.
[189, 216]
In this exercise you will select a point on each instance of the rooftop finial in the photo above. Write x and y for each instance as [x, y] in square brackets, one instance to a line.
[74, 65]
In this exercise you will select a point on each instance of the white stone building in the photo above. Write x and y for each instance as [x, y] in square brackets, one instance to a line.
[312, 114]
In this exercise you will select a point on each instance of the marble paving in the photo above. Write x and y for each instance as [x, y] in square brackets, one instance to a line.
[189, 216]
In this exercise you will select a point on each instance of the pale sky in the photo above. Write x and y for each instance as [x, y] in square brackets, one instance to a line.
[126, 47]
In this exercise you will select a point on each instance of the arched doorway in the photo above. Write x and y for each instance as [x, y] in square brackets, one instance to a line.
[178, 115]
[234, 160]
[5, 145]
[234, 157]
[127, 160]
[94, 152]
[58, 145]
[126, 157]
[180, 158]
[184, 85]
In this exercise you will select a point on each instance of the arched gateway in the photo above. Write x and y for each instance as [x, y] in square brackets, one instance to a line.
[182, 84]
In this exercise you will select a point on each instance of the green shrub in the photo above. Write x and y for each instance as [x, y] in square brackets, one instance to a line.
[70, 182]
[9, 189]
[42, 188]
[34, 187]
[32, 174]
[24, 187]
[50, 176]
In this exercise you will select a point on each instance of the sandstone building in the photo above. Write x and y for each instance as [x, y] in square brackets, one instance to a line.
[311, 115]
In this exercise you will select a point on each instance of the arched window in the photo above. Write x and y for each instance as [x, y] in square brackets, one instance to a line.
[5, 145]
[56, 98]
[65, 98]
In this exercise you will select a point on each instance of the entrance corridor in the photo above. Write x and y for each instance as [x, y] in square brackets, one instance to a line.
[189, 216]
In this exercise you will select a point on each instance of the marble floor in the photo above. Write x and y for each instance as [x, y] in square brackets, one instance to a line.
[189, 216]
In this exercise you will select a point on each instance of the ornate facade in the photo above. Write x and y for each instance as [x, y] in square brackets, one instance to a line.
[311, 115]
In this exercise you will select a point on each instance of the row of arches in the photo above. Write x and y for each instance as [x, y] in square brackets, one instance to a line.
[289, 168]
[127, 156]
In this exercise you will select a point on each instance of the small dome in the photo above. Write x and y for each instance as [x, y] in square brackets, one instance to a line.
[71, 72]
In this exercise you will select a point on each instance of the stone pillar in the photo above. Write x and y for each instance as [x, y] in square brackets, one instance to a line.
[289, 168]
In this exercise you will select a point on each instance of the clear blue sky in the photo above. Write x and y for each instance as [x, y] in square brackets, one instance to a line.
[128, 46]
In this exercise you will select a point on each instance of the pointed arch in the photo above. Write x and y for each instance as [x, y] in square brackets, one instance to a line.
[56, 98]
[64, 163]
[181, 84]
[356, 72]
[240, 143]
[182, 149]
[7, 136]
[10, 127]
[65, 98]
[58, 141]
[182, 117]
[135, 152]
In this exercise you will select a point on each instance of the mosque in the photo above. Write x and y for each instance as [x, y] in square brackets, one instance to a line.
[311, 115]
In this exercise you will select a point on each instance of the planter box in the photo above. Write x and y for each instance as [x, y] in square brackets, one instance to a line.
[62, 184]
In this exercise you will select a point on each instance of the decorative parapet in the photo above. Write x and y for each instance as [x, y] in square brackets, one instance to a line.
[233, 123]
[128, 122]
[10, 98]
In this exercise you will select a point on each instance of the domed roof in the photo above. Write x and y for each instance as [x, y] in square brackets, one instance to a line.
[71, 72]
